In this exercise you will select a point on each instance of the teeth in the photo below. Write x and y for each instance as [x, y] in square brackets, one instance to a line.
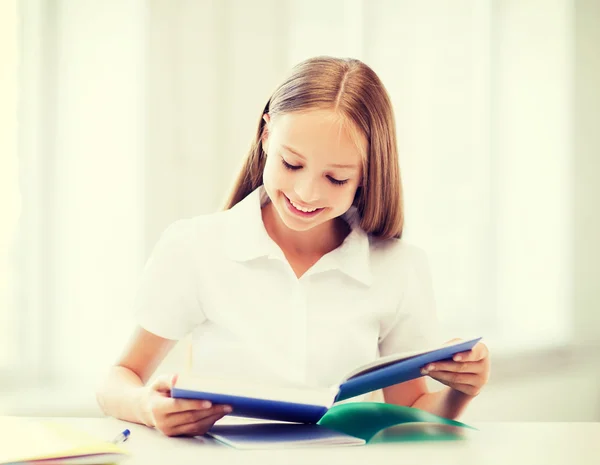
[305, 210]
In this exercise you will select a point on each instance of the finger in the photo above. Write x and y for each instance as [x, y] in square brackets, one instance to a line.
[196, 428]
[163, 383]
[452, 341]
[458, 367]
[185, 405]
[478, 352]
[455, 378]
[193, 416]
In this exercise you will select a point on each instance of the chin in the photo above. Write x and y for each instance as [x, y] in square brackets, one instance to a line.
[296, 224]
[303, 227]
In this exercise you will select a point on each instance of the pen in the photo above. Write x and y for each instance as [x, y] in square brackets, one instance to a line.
[122, 437]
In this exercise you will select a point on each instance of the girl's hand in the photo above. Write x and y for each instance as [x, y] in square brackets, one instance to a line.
[468, 371]
[178, 417]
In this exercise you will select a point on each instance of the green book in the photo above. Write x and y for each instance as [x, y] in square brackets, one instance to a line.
[348, 424]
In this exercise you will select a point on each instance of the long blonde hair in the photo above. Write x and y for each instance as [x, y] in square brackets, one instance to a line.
[350, 87]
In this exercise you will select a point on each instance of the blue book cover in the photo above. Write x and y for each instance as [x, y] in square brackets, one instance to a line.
[397, 372]
[256, 407]
[307, 405]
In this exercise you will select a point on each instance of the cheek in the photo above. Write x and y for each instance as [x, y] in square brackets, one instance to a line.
[344, 197]
[276, 175]
[270, 174]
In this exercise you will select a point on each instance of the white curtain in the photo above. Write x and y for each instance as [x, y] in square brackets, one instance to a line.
[139, 113]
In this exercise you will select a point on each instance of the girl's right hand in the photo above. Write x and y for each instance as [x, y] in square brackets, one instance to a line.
[178, 417]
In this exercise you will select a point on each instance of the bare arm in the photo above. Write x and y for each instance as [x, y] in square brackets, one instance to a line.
[465, 375]
[121, 394]
[124, 394]
[446, 403]
[406, 393]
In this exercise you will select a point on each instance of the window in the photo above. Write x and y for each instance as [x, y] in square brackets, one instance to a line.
[122, 133]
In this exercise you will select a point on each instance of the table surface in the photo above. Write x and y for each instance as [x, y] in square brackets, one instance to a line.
[494, 443]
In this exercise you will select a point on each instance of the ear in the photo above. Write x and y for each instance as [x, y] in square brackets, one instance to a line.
[266, 132]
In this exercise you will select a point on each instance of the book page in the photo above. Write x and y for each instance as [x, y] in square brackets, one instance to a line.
[281, 436]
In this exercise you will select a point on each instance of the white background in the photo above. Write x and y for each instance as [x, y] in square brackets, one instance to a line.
[133, 114]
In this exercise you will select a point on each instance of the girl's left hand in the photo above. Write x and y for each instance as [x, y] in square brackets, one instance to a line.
[468, 371]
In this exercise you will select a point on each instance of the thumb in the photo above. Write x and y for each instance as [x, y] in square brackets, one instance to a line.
[164, 383]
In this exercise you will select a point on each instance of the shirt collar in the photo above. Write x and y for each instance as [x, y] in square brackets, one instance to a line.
[247, 239]
[353, 256]
[246, 236]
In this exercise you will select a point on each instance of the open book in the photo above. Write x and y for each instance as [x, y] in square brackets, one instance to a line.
[349, 424]
[308, 405]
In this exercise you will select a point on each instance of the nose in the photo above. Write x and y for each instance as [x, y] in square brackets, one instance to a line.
[307, 190]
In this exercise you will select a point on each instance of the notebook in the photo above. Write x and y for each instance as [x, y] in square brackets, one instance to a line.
[30, 441]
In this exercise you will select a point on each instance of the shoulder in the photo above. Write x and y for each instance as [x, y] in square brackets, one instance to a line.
[397, 256]
[196, 231]
[397, 250]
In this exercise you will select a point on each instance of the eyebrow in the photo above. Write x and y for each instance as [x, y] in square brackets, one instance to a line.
[335, 165]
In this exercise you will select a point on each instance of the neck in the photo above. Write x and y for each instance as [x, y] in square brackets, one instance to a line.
[319, 240]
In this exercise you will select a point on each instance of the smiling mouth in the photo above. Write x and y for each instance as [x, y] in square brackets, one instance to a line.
[300, 210]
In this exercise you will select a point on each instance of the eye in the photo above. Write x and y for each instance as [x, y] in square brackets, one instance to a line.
[337, 182]
[290, 167]
[332, 180]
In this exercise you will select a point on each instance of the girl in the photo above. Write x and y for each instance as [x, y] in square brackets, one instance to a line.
[303, 276]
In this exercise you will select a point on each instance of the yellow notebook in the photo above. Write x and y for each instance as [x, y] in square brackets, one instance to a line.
[29, 441]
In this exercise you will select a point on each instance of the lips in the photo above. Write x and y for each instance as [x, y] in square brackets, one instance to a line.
[301, 210]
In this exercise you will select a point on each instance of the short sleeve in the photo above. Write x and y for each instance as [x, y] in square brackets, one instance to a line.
[166, 302]
[415, 325]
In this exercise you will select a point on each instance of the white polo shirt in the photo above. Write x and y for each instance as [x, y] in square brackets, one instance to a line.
[221, 277]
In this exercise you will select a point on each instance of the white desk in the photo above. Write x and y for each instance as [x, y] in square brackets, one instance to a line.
[494, 443]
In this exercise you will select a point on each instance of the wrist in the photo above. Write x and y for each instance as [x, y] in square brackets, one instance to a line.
[143, 406]
[456, 401]
[462, 396]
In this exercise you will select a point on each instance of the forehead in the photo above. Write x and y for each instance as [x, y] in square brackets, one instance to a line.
[320, 133]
